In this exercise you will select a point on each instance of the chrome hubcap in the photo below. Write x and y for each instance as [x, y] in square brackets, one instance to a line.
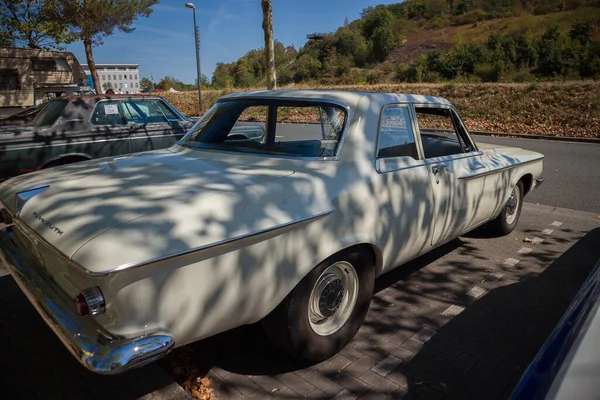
[333, 298]
[512, 206]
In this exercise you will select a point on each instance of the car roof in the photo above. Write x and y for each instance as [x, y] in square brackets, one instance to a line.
[107, 96]
[345, 97]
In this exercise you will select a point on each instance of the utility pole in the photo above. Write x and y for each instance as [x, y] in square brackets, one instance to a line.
[199, 72]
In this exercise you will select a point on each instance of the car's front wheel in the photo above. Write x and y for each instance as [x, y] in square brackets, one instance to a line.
[325, 310]
[506, 222]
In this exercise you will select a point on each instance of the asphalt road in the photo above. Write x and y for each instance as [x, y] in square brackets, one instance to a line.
[572, 172]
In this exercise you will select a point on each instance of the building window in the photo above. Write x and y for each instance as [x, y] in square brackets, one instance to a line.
[9, 79]
[136, 77]
[114, 77]
[62, 65]
[120, 86]
[136, 84]
[103, 78]
[43, 64]
[125, 86]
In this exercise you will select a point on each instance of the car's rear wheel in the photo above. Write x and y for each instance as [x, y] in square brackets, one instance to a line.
[325, 310]
[506, 222]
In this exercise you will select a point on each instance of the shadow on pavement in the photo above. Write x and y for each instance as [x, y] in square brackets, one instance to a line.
[34, 364]
[483, 351]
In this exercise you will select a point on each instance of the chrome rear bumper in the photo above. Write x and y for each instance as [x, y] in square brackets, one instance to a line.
[95, 348]
[538, 182]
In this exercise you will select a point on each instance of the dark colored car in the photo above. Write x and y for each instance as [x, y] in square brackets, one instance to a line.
[78, 128]
[22, 117]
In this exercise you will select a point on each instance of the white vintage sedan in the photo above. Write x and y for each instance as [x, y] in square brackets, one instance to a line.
[280, 206]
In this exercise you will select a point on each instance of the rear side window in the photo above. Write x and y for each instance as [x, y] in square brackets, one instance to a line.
[298, 129]
[396, 136]
[310, 131]
[151, 110]
[107, 113]
[50, 113]
[439, 134]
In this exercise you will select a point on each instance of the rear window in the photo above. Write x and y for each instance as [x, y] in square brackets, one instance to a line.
[50, 113]
[271, 127]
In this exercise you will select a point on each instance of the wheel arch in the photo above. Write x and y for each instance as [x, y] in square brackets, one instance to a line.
[527, 181]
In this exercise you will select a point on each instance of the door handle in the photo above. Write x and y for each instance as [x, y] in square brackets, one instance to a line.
[438, 168]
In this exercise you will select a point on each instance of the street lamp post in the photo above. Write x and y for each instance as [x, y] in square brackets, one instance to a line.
[197, 37]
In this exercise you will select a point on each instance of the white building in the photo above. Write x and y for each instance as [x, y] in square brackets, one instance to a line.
[123, 78]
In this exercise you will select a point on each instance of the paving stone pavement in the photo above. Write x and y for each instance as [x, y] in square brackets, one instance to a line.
[462, 322]
[34, 364]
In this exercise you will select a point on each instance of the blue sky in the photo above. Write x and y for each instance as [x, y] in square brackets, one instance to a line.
[228, 29]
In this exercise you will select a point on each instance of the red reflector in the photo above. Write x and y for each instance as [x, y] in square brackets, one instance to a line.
[81, 305]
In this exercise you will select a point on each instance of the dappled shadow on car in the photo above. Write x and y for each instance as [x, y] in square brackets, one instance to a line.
[248, 351]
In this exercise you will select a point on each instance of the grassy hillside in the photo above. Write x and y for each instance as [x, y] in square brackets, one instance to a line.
[440, 40]
[569, 109]
[423, 38]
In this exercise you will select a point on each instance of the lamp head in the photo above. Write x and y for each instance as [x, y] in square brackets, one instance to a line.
[190, 5]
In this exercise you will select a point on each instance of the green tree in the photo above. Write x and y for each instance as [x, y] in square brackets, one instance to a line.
[307, 67]
[29, 23]
[93, 20]
[107, 85]
[378, 17]
[383, 43]
[243, 76]
[146, 84]
[581, 30]
[223, 75]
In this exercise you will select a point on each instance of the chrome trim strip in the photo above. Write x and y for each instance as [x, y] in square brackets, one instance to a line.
[207, 246]
[95, 348]
[473, 176]
[180, 147]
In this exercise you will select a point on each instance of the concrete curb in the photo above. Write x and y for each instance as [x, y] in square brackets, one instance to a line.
[542, 137]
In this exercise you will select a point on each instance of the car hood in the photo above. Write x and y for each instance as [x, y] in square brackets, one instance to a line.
[107, 213]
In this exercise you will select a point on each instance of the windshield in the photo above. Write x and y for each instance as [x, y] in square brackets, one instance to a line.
[50, 113]
[299, 129]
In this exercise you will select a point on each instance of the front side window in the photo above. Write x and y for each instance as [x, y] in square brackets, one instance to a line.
[107, 113]
[440, 135]
[287, 128]
[396, 136]
[50, 114]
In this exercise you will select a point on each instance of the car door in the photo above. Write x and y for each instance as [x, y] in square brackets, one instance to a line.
[149, 124]
[406, 204]
[110, 135]
[451, 159]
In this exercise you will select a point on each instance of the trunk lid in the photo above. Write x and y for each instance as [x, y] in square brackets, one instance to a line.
[84, 200]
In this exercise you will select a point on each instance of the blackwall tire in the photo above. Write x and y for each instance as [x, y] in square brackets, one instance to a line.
[506, 222]
[314, 322]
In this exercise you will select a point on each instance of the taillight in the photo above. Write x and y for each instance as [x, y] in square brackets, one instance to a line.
[90, 302]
